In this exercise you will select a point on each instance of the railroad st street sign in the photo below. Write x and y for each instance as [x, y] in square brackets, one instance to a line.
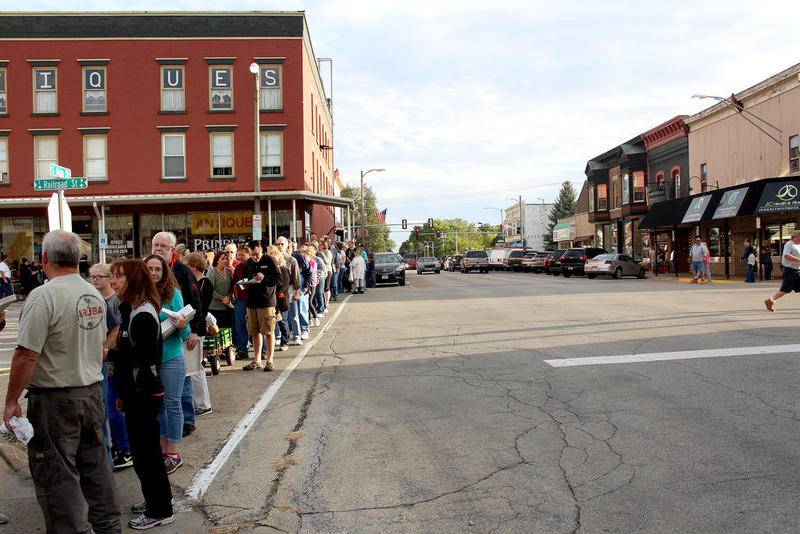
[57, 184]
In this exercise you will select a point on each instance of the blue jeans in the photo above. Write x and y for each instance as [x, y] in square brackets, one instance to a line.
[335, 284]
[170, 420]
[319, 296]
[240, 336]
[187, 402]
[282, 329]
[294, 318]
[304, 311]
[699, 268]
[116, 419]
[751, 274]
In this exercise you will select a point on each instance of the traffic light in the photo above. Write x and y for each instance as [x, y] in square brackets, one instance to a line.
[405, 224]
[430, 221]
[417, 230]
[439, 234]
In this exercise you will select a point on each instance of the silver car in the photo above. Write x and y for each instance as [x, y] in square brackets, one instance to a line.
[428, 264]
[613, 264]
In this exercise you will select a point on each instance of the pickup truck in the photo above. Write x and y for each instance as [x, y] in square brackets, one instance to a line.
[475, 260]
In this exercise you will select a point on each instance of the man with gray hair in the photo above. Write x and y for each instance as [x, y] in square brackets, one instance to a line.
[790, 263]
[59, 358]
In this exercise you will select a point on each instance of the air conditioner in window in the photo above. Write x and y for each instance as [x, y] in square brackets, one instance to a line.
[3, 177]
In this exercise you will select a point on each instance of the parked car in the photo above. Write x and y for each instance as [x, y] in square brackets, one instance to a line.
[389, 268]
[554, 262]
[614, 264]
[574, 259]
[527, 260]
[497, 258]
[537, 263]
[455, 262]
[475, 260]
[410, 261]
[428, 264]
[514, 259]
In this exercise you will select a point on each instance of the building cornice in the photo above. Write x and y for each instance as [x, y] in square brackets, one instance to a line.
[666, 132]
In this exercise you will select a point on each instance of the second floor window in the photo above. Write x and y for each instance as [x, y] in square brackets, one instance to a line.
[602, 197]
[676, 179]
[626, 189]
[95, 164]
[221, 88]
[45, 152]
[172, 89]
[221, 154]
[173, 149]
[703, 177]
[3, 160]
[271, 88]
[3, 92]
[271, 153]
[591, 199]
[794, 153]
[45, 98]
[94, 89]
[638, 187]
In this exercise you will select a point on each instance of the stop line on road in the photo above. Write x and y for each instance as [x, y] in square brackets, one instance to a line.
[677, 355]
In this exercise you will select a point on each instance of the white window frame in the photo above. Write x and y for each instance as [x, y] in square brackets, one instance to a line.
[4, 92]
[86, 89]
[212, 154]
[211, 88]
[37, 91]
[635, 190]
[164, 155]
[164, 90]
[86, 160]
[5, 164]
[677, 179]
[36, 160]
[266, 91]
[264, 146]
[626, 189]
[796, 139]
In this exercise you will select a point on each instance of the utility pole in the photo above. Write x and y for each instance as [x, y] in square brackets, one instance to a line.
[522, 220]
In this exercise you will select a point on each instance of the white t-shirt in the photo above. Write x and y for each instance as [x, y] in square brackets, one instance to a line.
[793, 250]
[64, 321]
[5, 270]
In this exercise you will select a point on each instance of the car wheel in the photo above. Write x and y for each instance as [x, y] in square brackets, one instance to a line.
[567, 275]
[401, 282]
[591, 276]
[436, 272]
[618, 273]
[641, 274]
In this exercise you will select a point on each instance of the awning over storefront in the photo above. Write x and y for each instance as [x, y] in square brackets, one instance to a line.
[779, 197]
[564, 231]
[665, 214]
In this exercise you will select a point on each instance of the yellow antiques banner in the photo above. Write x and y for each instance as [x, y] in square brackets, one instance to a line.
[235, 222]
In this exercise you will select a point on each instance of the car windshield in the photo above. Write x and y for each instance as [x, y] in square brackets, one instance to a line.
[387, 258]
[516, 254]
[426, 260]
[476, 254]
[574, 253]
[604, 257]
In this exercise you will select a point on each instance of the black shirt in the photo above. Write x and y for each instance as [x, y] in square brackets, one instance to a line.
[262, 295]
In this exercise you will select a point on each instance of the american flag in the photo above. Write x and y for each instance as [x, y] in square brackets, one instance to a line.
[381, 216]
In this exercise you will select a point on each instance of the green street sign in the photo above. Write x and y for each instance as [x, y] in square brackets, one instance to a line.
[500, 238]
[55, 184]
[57, 171]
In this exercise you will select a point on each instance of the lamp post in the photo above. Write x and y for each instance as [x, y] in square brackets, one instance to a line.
[363, 202]
[739, 108]
[255, 70]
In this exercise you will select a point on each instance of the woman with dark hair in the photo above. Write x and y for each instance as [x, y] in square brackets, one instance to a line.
[221, 278]
[136, 359]
[173, 366]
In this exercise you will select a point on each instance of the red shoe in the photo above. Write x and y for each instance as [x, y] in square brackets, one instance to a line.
[768, 303]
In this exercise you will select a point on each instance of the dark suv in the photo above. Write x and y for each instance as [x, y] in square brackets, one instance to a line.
[514, 260]
[574, 259]
[552, 263]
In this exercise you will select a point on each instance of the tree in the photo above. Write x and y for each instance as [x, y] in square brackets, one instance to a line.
[564, 206]
[450, 230]
[377, 239]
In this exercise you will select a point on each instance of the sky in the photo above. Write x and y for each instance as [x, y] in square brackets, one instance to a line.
[469, 104]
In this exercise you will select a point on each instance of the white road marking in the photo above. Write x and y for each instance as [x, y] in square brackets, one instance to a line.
[203, 479]
[678, 355]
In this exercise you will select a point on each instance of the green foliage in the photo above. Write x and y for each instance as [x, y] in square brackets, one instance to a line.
[564, 206]
[451, 229]
[377, 239]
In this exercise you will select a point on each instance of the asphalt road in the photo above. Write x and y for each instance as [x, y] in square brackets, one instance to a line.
[430, 408]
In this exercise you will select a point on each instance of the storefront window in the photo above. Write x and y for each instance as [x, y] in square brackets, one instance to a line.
[774, 237]
[119, 229]
[149, 225]
[628, 228]
[282, 223]
[17, 237]
[214, 230]
[714, 243]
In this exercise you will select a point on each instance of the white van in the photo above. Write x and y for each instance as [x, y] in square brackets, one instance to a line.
[497, 257]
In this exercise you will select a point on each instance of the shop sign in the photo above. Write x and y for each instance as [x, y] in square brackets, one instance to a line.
[563, 232]
[779, 197]
[730, 203]
[232, 223]
[696, 209]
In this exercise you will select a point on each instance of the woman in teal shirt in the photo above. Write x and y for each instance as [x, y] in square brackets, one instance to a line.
[173, 366]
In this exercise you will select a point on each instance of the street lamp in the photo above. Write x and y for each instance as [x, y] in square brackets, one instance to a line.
[255, 69]
[739, 108]
[363, 205]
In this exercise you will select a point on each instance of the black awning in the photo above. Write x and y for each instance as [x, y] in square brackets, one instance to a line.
[665, 214]
[779, 197]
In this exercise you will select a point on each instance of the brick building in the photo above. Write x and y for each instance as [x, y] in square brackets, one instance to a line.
[158, 112]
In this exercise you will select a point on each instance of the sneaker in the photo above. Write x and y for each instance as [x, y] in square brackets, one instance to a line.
[277, 342]
[268, 367]
[188, 429]
[316, 321]
[295, 342]
[204, 411]
[142, 507]
[304, 335]
[769, 304]
[122, 460]
[172, 463]
[283, 348]
[251, 366]
[242, 356]
[143, 522]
